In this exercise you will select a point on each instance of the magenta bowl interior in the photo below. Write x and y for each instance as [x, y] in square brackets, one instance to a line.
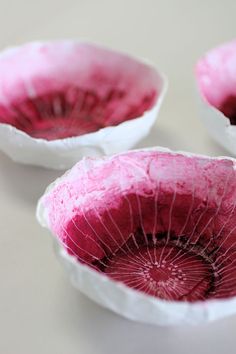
[160, 223]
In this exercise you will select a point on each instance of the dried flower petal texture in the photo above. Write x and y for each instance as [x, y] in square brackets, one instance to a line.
[65, 100]
[152, 225]
[216, 80]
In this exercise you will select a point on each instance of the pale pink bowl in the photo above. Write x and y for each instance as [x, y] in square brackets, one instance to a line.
[216, 81]
[60, 101]
[149, 234]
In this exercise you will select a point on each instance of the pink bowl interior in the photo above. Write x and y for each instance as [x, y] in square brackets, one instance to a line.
[161, 223]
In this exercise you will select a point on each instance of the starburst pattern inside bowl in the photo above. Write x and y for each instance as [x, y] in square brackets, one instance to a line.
[216, 80]
[64, 100]
[150, 234]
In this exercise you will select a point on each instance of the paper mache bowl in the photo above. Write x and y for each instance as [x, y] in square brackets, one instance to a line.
[216, 81]
[63, 100]
[149, 234]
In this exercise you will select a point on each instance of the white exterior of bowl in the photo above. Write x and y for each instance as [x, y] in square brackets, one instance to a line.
[127, 302]
[218, 125]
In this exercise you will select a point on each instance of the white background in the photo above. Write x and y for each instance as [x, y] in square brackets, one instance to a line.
[40, 312]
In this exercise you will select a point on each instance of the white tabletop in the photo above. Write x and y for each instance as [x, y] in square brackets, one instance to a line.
[40, 312]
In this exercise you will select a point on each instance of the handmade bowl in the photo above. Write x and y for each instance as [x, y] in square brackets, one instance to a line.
[63, 100]
[216, 81]
[149, 234]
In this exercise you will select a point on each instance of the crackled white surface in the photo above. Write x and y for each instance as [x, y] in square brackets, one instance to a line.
[40, 311]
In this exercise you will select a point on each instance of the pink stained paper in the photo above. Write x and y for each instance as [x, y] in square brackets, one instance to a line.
[161, 223]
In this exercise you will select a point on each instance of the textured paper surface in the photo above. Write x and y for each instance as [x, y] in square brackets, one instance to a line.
[134, 304]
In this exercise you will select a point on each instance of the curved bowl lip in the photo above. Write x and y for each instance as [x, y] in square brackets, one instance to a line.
[73, 142]
[43, 221]
[199, 90]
